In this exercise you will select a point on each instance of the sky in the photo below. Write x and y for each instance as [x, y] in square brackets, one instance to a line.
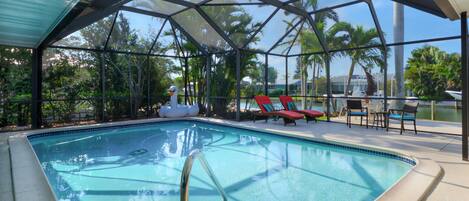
[418, 25]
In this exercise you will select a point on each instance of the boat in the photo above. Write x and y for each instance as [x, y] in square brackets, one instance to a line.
[457, 95]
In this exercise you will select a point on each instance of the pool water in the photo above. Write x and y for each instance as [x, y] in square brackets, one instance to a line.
[144, 162]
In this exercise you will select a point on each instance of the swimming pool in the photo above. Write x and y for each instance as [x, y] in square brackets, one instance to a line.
[144, 162]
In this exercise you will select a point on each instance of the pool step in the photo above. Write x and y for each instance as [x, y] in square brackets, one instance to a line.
[29, 180]
[6, 186]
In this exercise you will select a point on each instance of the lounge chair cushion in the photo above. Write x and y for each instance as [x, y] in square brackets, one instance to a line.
[358, 113]
[286, 100]
[268, 107]
[311, 113]
[261, 100]
[406, 117]
[289, 114]
[292, 106]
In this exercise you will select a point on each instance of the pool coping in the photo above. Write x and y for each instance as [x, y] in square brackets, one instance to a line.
[417, 184]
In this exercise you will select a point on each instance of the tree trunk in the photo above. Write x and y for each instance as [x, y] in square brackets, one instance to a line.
[313, 79]
[193, 93]
[99, 104]
[191, 89]
[313, 84]
[399, 50]
[317, 77]
[246, 104]
[129, 81]
[371, 86]
[349, 79]
[200, 84]
[304, 77]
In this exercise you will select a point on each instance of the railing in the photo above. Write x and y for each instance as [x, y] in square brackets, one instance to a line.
[186, 173]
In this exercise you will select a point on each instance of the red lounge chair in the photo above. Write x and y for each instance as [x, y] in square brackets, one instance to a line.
[310, 115]
[288, 116]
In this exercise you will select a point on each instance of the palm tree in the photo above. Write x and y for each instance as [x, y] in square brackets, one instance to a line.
[431, 71]
[232, 19]
[365, 58]
[309, 42]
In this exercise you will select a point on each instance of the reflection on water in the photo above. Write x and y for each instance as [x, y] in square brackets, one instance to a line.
[144, 162]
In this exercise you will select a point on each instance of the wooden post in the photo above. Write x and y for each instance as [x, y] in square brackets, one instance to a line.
[433, 112]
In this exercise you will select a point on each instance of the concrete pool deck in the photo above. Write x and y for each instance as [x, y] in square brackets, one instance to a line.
[423, 125]
[443, 149]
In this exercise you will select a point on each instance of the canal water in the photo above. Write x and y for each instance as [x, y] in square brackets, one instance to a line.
[442, 113]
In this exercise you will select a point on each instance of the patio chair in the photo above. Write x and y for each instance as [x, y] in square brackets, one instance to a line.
[289, 105]
[407, 113]
[355, 109]
[267, 110]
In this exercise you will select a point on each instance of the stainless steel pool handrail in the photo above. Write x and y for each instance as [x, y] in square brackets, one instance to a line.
[186, 173]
